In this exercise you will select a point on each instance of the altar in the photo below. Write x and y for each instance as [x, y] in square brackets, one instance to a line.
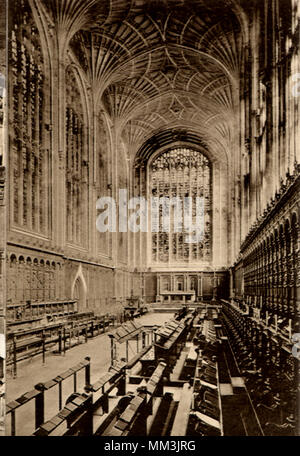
[182, 296]
[190, 286]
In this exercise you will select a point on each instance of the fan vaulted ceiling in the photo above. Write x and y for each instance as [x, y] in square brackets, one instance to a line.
[154, 64]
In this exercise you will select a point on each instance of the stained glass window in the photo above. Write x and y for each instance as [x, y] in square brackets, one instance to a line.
[76, 163]
[183, 173]
[29, 93]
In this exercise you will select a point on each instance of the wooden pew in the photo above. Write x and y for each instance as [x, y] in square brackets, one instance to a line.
[133, 421]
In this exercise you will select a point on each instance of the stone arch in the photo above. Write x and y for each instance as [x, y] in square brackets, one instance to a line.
[79, 290]
[13, 258]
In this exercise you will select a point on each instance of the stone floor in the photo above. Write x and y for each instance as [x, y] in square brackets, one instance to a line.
[31, 372]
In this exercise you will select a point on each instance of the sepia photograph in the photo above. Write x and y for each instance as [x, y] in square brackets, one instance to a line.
[149, 221]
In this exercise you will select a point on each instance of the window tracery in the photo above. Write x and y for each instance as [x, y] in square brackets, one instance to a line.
[30, 156]
[182, 173]
[76, 164]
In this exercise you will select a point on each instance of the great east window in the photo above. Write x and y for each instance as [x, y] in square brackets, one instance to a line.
[181, 173]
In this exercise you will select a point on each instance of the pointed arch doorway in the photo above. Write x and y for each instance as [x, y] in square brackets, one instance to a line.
[79, 290]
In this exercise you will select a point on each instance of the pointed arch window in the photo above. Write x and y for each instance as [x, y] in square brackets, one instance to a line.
[29, 100]
[181, 172]
[76, 163]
